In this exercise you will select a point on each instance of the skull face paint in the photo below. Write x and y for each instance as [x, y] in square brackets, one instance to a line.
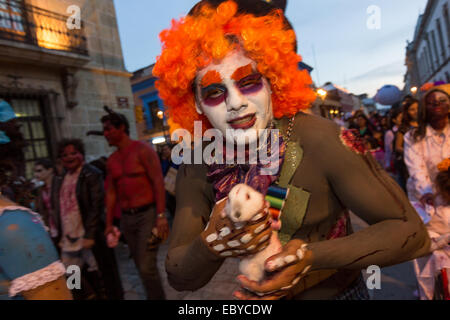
[241, 100]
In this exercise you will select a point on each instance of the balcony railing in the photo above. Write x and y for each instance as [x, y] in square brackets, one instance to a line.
[32, 25]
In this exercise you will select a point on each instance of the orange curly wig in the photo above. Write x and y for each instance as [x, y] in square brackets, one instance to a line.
[196, 40]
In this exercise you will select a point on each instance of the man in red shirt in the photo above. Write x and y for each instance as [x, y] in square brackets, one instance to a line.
[135, 181]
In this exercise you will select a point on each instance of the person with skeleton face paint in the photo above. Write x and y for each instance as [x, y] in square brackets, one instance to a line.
[233, 95]
[233, 66]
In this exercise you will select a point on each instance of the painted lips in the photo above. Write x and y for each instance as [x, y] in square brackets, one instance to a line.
[244, 123]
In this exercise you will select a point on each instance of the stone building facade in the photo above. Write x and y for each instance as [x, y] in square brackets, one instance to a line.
[428, 55]
[60, 63]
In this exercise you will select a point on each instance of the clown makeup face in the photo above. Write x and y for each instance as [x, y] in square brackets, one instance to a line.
[234, 96]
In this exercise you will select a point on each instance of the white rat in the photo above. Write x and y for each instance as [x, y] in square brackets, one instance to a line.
[246, 204]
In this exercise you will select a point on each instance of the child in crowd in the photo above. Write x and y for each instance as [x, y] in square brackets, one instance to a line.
[375, 149]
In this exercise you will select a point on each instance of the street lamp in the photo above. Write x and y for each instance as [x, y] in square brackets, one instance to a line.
[160, 114]
[414, 90]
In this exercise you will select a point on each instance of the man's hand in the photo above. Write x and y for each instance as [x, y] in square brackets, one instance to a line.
[226, 239]
[88, 243]
[162, 228]
[286, 269]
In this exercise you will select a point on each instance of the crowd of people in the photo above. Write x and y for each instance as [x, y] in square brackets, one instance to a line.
[83, 222]
[411, 141]
[383, 134]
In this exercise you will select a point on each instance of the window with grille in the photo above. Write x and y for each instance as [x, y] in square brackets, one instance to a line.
[11, 17]
[34, 129]
[435, 48]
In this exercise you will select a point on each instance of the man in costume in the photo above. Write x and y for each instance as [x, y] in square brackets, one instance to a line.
[233, 66]
[78, 199]
[135, 181]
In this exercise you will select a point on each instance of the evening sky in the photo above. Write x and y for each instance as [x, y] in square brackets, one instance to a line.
[333, 37]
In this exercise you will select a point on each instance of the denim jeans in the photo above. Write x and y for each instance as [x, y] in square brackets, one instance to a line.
[137, 230]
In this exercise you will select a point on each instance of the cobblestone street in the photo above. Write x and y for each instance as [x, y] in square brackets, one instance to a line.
[397, 282]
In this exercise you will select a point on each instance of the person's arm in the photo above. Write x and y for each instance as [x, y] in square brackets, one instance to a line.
[417, 168]
[111, 198]
[150, 160]
[396, 233]
[189, 263]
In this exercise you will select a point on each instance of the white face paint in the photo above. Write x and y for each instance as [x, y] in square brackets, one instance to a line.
[239, 104]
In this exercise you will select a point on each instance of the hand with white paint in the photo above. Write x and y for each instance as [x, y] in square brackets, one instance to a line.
[285, 269]
[232, 236]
